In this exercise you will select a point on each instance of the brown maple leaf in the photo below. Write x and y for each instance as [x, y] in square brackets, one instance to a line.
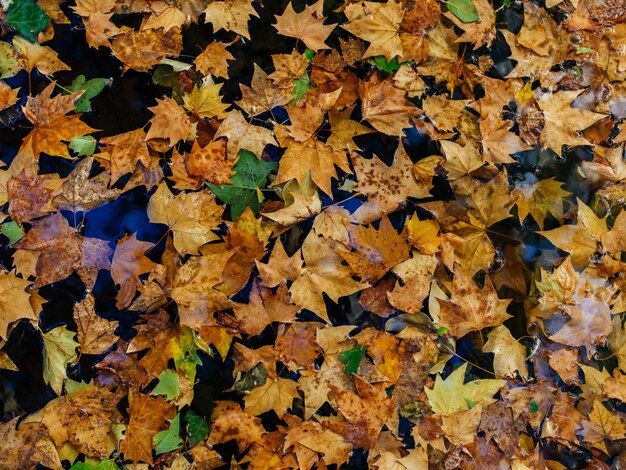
[51, 125]
[61, 251]
[384, 106]
[471, 308]
[148, 416]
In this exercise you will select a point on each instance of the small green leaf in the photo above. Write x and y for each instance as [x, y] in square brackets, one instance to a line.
[470, 403]
[585, 50]
[168, 385]
[91, 89]
[465, 10]
[381, 63]
[250, 175]
[83, 146]
[13, 231]
[197, 427]
[352, 358]
[300, 87]
[102, 465]
[168, 440]
[309, 54]
[442, 331]
[27, 18]
[533, 406]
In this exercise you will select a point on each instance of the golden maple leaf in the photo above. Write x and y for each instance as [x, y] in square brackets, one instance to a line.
[307, 25]
[451, 395]
[470, 308]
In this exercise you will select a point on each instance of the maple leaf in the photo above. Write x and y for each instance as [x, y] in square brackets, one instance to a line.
[301, 204]
[261, 96]
[602, 426]
[205, 101]
[231, 423]
[365, 411]
[416, 273]
[562, 121]
[61, 251]
[27, 445]
[169, 122]
[31, 55]
[58, 350]
[509, 354]
[307, 25]
[244, 135]
[344, 130]
[95, 334]
[615, 339]
[84, 419]
[452, 395]
[210, 162]
[386, 187]
[263, 308]
[164, 16]
[15, 302]
[154, 46]
[97, 20]
[580, 240]
[190, 217]
[8, 96]
[310, 157]
[29, 196]
[129, 260]
[125, 151]
[384, 106]
[276, 394]
[194, 291]
[79, 192]
[375, 251]
[461, 427]
[148, 416]
[231, 15]
[471, 308]
[323, 274]
[214, 59]
[243, 191]
[52, 126]
[312, 438]
[539, 199]
[279, 266]
[377, 23]
[460, 161]
[478, 32]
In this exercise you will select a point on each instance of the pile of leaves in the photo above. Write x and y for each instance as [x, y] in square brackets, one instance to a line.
[322, 234]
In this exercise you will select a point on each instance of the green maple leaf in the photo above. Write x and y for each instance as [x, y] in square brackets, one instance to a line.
[197, 427]
[13, 231]
[352, 358]
[91, 89]
[168, 385]
[168, 440]
[102, 465]
[250, 176]
[465, 10]
[27, 18]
